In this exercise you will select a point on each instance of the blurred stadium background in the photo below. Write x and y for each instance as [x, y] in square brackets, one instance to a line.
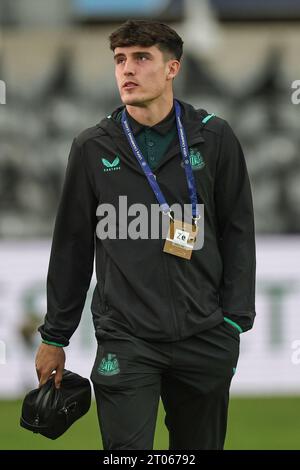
[56, 70]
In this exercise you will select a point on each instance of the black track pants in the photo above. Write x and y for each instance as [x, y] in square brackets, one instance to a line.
[191, 376]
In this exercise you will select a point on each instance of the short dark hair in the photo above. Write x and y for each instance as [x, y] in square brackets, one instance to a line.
[147, 33]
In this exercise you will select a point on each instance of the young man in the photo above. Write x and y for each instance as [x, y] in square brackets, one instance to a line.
[167, 316]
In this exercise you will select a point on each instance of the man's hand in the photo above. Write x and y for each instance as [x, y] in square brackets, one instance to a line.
[48, 359]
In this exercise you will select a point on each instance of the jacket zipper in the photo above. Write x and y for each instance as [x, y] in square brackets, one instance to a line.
[168, 281]
[170, 295]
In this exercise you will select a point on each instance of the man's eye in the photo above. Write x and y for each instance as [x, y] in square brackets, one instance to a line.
[142, 57]
[119, 61]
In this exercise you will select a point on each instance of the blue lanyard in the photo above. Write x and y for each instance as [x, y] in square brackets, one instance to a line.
[147, 171]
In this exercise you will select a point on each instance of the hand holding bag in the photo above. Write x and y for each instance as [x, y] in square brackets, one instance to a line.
[50, 411]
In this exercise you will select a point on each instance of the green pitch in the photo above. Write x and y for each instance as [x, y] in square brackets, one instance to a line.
[254, 423]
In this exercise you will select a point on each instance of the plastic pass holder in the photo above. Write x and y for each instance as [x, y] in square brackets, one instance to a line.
[181, 238]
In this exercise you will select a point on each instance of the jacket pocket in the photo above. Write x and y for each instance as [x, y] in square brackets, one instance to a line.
[106, 276]
[102, 281]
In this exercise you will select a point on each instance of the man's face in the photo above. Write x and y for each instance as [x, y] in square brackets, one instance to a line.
[142, 73]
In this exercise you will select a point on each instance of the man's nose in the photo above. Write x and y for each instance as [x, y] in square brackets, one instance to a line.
[129, 68]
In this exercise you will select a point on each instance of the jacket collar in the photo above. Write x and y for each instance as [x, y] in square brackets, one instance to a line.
[161, 127]
[191, 120]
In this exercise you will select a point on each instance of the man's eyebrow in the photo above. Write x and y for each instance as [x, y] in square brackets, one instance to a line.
[137, 53]
[119, 55]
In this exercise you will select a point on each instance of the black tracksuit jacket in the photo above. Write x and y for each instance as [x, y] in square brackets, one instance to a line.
[140, 289]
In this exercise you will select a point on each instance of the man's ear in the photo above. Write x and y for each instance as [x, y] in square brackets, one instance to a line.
[174, 67]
